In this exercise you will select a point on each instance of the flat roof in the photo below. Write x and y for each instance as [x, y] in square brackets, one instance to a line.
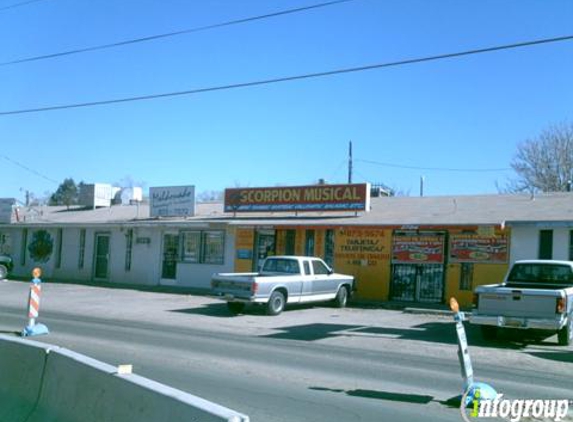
[385, 211]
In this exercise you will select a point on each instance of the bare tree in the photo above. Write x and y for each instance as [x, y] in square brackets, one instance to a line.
[544, 163]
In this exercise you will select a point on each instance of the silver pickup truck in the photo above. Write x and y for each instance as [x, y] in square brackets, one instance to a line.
[282, 280]
[535, 294]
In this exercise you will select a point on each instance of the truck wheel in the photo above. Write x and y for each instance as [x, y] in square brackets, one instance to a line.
[488, 332]
[276, 303]
[235, 307]
[3, 272]
[565, 335]
[341, 297]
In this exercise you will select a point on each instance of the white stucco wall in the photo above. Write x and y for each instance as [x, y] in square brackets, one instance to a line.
[146, 258]
[199, 275]
[525, 241]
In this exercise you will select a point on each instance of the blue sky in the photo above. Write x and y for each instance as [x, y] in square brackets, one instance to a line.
[461, 113]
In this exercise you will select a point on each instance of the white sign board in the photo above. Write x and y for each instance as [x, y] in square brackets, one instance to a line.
[6, 210]
[172, 201]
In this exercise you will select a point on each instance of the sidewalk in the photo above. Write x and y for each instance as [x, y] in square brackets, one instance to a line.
[407, 307]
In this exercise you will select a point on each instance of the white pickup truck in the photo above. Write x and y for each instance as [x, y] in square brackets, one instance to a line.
[535, 294]
[282, 280]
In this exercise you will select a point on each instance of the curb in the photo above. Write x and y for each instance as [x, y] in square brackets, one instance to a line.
[443, 312]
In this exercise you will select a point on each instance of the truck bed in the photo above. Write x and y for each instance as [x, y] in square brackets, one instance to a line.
[514, 302]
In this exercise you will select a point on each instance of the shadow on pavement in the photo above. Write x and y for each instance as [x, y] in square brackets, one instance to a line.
[218, 310]
[312, 332]
[436, 332]
[565, 356]
[453, 402]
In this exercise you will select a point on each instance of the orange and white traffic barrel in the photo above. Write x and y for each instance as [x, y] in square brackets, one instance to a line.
[32, 328]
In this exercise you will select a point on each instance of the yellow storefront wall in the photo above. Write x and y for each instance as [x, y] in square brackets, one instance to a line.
[365, 253]
[361, 252]
[244, 249]
[483, 274]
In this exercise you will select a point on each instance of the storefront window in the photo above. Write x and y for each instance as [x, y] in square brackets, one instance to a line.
[467, 276]
[5, 243]
[309, 243]
[59, 241]
[329, 247]
[203, 247]
[82, 251]
[128, 249]
[545, 244]
[191, 246]
[213, 247]
[290, 238]
[24, 247]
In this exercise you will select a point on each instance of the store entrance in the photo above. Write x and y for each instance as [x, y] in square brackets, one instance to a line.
[264, 246]
[102, 254]
[170, 256]
[418, 283]
[418, 266]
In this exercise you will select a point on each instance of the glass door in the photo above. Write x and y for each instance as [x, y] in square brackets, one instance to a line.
[264, 246]
[170, 256]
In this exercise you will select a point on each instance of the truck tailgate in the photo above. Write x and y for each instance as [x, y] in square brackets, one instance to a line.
[235, 285]
[518, 303]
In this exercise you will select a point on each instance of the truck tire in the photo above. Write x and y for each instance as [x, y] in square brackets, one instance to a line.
[3, 272]
[276, 303]
[341, 297]
[488, 332]
[565, 335]
[236, 307]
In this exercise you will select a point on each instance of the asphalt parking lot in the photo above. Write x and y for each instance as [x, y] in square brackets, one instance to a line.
[355, 326]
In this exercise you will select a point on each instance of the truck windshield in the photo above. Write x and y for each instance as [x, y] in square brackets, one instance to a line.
[279, 265]
[541, 273]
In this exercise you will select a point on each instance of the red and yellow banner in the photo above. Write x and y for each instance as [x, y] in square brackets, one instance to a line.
[476, 248]
[350, 197]
[418, 249]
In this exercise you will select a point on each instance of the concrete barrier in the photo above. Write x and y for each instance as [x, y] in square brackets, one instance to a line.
[22, 365]
[65, 386]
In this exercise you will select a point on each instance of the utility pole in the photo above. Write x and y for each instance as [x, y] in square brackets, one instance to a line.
[350, 162]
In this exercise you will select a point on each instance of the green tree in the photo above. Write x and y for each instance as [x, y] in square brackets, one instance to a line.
[544, 163]
[67, 194]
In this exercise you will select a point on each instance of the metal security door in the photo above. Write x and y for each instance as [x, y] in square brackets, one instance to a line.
[430, 287]
[418, 283]
[101, 258]
[404, 278]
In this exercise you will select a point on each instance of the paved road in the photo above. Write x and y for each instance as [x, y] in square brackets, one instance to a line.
[308, 364]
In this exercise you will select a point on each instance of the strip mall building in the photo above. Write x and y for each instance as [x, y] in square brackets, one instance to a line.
[407, 249]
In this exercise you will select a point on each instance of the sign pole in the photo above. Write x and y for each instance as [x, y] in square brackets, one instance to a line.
[471, 390]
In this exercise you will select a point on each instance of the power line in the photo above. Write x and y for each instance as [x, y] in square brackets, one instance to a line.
[291, 78]
[466, 170]
[23, 3]
[173, 34]
[29, 169]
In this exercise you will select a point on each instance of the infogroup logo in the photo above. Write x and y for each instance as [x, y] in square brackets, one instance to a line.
[514, 410]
